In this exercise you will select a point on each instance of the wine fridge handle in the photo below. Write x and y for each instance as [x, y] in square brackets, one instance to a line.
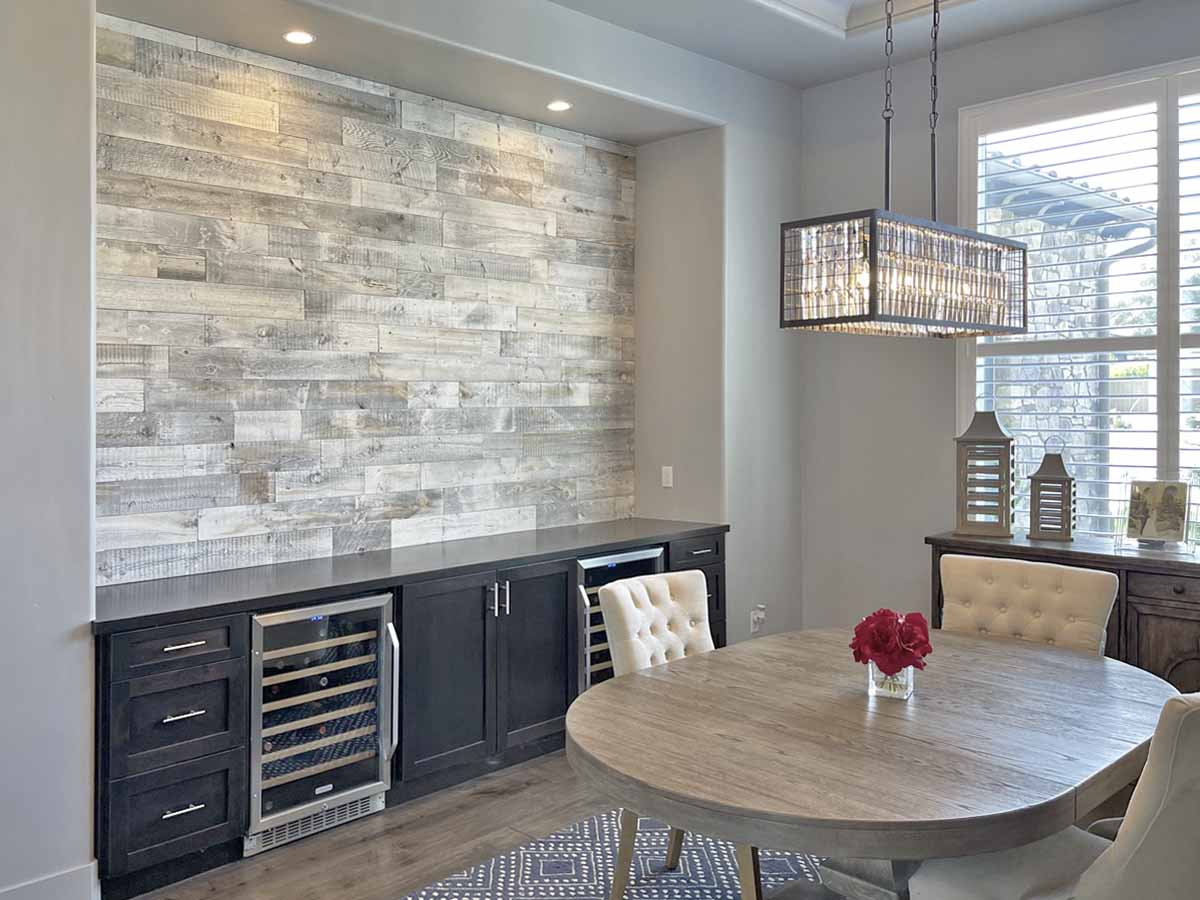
[395, 639]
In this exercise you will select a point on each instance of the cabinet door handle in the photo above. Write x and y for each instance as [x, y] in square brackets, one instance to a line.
[507, 598]
[702, 552]
[395, 639]
[191, 714]
[496, 599]
[187, 810]
[188, 646]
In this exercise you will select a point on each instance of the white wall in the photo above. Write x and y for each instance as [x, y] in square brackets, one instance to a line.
[46, 189]
[680, 325]
[878, 413]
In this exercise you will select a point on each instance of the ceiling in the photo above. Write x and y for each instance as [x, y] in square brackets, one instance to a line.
[807, 42]
[417, 62]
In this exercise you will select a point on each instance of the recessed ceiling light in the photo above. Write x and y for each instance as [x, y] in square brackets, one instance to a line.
[558, 106]
[299, 37]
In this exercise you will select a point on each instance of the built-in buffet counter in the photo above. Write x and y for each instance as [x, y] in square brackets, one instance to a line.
[243, 709]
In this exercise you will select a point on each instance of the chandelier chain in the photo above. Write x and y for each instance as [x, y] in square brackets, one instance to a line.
[933, 64]
[889, 48]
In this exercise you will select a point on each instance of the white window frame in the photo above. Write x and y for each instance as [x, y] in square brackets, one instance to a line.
[1163, 85]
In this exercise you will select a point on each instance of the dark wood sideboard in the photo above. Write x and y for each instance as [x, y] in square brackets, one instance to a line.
[494, 694]
[1155, 624]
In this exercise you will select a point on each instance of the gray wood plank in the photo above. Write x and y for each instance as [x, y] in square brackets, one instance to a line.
[284, 334]
[485, 186]
[161, 295]
[473, 498]
[292, 273]
[146, 429]
[130, 361]
[145, 530]
[162, 161]
[414, 201]
[469, 236]
[178, 230]
[279, 365]
[420, 148]
[122, 86]
[160, 495]
[354, 162]
[322, 483]
[433, 341]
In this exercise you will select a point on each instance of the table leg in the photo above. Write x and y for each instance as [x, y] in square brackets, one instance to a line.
[629, 826]
[867, 879]
[748, 872]
[674, 849]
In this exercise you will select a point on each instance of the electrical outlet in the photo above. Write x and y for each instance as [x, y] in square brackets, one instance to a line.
[668, 476]
[758, 616]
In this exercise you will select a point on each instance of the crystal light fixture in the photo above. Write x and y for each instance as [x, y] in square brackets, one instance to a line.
[878, 272]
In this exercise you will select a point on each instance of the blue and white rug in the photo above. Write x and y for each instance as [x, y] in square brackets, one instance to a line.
[577, 864]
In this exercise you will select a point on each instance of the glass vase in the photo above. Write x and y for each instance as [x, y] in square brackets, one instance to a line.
[897, 687]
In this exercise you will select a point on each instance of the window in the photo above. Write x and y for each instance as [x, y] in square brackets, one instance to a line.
[1102, 181]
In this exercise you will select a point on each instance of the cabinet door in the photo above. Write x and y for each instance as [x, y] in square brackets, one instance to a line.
[447, 657]
[537, 622]
[1164, 638]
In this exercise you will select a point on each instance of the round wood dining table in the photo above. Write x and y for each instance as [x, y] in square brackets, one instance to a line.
[775, 743]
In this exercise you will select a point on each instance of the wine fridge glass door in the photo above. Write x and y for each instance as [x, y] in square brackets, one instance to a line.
[322, 708]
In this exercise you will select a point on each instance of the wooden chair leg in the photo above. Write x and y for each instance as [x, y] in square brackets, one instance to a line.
[748, 872]
[674, 848]
[629, 824]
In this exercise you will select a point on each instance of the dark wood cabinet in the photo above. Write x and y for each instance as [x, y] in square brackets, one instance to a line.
[1155, 623]
[447, 660]
[534, 659]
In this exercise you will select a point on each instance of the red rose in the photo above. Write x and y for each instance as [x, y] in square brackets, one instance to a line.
[891, 641]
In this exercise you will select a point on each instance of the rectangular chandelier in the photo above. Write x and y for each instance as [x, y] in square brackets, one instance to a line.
[877, 272]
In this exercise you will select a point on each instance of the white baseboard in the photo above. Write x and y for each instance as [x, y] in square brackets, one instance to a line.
[81, 883]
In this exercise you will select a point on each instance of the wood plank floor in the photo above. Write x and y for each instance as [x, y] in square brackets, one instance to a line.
[389, 855]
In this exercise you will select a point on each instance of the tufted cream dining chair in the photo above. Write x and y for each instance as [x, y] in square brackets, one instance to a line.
[651, 620]
[1152, 858]
[1041, 602]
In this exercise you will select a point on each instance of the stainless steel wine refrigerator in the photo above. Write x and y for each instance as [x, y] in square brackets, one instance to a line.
[324, 723]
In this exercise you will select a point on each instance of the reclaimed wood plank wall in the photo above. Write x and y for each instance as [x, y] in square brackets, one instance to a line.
[335, 316]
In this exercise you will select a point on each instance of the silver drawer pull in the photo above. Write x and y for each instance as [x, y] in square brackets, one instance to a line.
[194, 807]
[701, 552]
[188, 646]
[187, 715]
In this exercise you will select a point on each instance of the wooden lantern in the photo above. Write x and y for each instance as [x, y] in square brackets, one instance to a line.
[1052, 501]
[985, 478]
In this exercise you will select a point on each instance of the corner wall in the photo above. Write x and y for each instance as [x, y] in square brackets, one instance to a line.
[879, 413]
[46, 187]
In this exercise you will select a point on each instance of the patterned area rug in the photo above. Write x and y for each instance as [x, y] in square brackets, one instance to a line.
[577, 862]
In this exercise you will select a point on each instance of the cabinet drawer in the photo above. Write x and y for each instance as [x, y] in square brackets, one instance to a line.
[715, 576]
[169, 718]
[171, 812]
[172, 647]
[1163, 587]
[700, 551]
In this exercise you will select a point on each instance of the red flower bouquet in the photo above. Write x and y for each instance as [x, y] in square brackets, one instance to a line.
[891, 641]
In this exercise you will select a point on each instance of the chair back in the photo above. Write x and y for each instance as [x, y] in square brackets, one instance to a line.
[1058, 605]
[1154, 856]
[653, 619]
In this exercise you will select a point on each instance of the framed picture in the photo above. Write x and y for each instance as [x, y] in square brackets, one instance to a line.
[1157, 510]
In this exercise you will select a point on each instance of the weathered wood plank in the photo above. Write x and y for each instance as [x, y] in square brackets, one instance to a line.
[605, 162]
[116, 498]
[159, 126]
[291, 67]
[429, 118]
[390, 451]
[284, 334]
[155, 328]
[178, 230]
[541, 147]
[164, 62]
[397, 198]
[145, 530]
[406, 532]
[143, 563]
[597, 370]
[278, 365]
[485, 187]
[328, 424]
[126, 258]
[483, 132]
[397, 367]
[588, 227]
[321, 483]
[410, 311]
[130, 361]
[475, 498]
[361, 538]
[123, 86]
[357, 249]
[432, 341]
[120, 395]
[114, 49]
[559, 322]
[266, 425]
[105, 22]
[147, 429]
[392, 479]
[618, 440]
[161, 295]
[182, 264]
[511, 393]
[585, 187]
[324, 512]
[560, 345]
[310, 124]
[490, 239]
[162, 161]
[420, 148]
[136, 191]
[349, 161]
[231, 395]
[299, 274]
[189, 460]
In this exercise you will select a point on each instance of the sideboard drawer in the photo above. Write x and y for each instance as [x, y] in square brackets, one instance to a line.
[1163, 587]
[172, 647]
[171, 812]
[172, 717]
[694, 552]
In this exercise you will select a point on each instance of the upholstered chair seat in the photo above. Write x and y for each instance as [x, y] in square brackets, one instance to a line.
[1055, 605]
[652, 620]
[1153, 856]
